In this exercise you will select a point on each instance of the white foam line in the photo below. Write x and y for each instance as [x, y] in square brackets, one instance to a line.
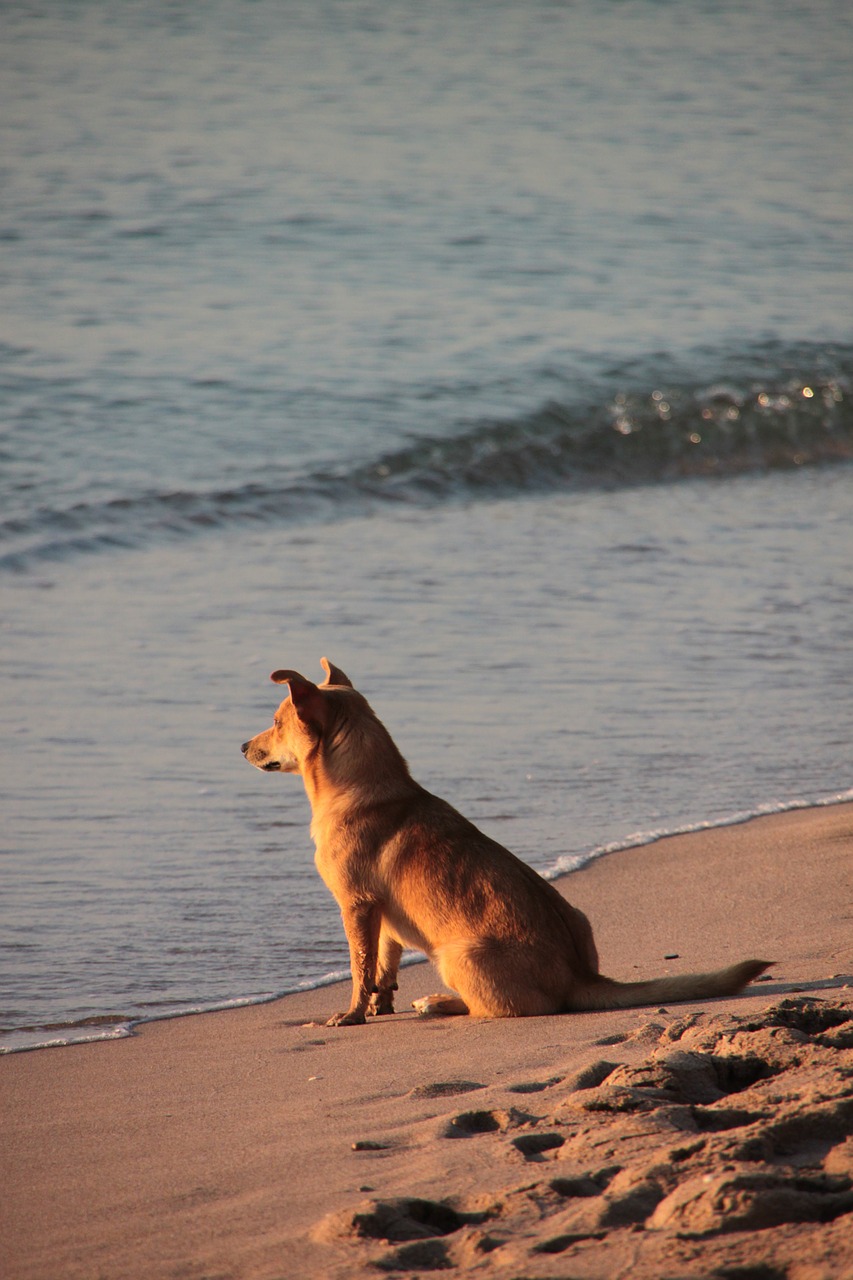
[573, 862]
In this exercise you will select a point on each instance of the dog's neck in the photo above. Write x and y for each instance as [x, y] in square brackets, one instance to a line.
[353, 773]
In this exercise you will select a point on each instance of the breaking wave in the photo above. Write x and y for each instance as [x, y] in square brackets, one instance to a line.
[763, 411]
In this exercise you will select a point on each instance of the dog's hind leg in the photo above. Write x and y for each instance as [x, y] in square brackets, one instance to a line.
[494, 980]
[390, 950]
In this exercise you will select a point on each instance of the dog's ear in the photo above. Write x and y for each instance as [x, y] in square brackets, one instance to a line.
[309, 703]
[284, 677]
[334, 675]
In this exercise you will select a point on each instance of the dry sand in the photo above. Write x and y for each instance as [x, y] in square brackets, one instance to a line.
[707, 1139]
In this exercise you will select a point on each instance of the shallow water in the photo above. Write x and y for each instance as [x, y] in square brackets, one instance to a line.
[571, 672]
[503, 354]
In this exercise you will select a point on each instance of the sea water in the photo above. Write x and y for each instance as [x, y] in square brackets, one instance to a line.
[500, 352]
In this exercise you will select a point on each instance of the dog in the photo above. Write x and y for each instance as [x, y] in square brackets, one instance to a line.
[407, 870]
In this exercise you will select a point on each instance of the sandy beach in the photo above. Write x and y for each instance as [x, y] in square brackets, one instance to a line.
[708, 1139]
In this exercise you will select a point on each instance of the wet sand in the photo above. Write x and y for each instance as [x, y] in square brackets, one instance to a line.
[687, 1141]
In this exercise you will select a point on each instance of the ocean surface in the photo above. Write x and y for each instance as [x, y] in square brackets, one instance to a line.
[501, 352]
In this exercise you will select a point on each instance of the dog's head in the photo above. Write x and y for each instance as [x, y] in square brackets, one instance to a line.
[299, 723]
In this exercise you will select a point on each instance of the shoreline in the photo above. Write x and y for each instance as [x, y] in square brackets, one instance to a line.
[256, 1142]
[120, 1029]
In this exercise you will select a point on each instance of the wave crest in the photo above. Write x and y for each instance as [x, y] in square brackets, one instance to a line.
[773, 410]
[635, 437]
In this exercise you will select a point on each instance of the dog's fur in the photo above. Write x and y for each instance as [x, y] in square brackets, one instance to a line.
[407, 870]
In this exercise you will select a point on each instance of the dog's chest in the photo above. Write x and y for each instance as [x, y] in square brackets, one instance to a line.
[344, 870]
[330, 870]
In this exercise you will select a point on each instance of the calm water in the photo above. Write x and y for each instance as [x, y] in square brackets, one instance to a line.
[503, 353]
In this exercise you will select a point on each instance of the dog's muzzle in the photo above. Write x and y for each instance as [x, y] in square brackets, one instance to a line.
[271, 766]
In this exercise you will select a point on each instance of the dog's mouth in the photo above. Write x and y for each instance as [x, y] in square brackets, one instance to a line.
[271, 766]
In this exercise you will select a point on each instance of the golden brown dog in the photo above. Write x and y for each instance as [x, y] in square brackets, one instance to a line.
[407, 870]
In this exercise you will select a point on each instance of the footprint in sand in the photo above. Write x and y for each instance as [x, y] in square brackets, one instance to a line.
[731, 1128]
[534, 1086]
[470, 1123]
[444, 1088]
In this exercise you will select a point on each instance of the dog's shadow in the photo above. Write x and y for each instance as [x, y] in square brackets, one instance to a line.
[794, 988]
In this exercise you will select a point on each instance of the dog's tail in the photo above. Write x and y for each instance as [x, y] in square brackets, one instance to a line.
[604, 993]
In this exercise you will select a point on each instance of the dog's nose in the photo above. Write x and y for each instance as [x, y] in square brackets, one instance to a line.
[245, 747]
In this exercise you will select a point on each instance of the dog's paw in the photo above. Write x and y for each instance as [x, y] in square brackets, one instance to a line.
[349, 1019]
[381, 1002]
[439, 1006]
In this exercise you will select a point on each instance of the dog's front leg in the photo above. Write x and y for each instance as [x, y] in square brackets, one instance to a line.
[390, 950]
[362, 922]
